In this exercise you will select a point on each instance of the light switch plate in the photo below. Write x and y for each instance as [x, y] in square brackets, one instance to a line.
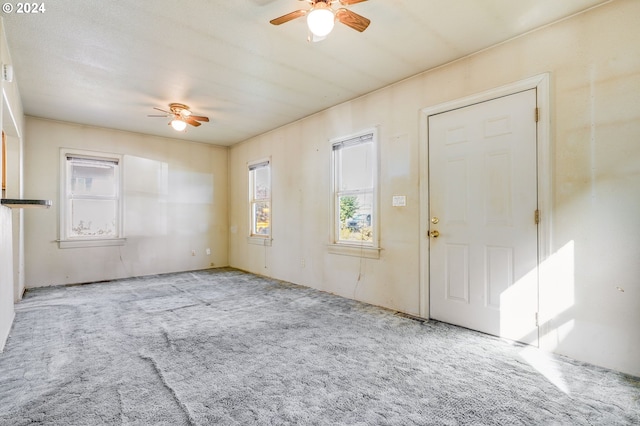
[399, 201]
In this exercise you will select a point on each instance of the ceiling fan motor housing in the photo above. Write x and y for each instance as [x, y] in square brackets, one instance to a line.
[179, 109]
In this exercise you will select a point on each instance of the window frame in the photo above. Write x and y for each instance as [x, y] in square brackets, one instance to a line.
[254, 237]
[367, 249]
[67, 241]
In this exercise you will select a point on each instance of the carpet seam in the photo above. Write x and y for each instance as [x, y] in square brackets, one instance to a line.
[184, 408]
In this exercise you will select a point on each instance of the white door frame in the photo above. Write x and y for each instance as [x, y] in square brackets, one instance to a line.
[541, 84]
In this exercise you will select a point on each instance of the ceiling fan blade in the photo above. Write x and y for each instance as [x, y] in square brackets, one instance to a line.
[160, 109]
[352, 19]
[200, 118]
[349, 2]
[157, 115]
[191, 121]
[288, 17]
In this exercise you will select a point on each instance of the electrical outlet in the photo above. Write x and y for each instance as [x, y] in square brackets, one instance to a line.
[193, 252]
[208, 251]
[303, 263]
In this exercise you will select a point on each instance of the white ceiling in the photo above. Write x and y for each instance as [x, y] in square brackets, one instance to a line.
[108, 63]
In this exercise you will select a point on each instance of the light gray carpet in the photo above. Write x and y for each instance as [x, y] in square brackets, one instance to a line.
[228, 348]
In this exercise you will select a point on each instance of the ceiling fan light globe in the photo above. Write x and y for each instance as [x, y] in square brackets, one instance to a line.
[320, 21]
[178, 125]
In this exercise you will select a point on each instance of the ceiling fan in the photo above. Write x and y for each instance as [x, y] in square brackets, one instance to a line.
[321, 17]
[180, 116]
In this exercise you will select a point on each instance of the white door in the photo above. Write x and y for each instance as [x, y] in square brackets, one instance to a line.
[482, 203]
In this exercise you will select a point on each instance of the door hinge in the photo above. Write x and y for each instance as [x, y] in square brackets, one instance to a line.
[537, 114]
[537, 323]
[536, 216]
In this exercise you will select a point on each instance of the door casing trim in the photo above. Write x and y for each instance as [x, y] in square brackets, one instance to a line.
[541, 83]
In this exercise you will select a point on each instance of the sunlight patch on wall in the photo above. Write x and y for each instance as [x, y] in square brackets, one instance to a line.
[545, 365]
[518, 307]
[557, 288]
[146, 190]
[558, 285]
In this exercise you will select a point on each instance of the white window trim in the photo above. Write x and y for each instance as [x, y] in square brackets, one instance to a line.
[257, 239]
[79, 242]
[364, 250]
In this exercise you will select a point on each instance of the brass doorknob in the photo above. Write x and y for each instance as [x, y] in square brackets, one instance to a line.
[434, 234]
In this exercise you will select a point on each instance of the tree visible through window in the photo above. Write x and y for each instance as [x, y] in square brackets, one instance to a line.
[260, 198]
[354, 189]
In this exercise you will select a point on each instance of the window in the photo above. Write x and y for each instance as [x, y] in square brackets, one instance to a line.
[355, 180]
[260, 199]
[91, 210]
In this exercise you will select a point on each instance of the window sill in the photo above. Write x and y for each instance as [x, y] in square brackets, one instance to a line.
[259, 241]
[367, 252]
[64, 244]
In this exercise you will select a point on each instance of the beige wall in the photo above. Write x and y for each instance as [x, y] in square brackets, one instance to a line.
[591, 304]
[175, 195]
